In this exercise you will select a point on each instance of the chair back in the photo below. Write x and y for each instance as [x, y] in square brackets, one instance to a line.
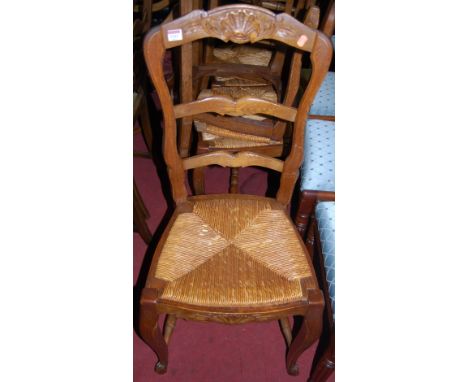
[240, 24]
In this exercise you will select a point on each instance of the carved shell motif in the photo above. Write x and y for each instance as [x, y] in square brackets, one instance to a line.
[239, 26]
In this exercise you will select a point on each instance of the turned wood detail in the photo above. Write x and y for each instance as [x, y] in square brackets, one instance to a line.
[305, 212]
[234, 181]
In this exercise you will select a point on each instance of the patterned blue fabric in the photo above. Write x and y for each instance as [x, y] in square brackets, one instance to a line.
[325, 216]
[318, 169]
[324, 101]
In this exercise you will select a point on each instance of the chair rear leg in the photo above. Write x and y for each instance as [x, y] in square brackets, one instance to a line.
[326, 364]
[234, 181]
[199, 180]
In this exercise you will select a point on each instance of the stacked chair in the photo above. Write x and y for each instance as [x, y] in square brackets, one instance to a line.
[234, 258]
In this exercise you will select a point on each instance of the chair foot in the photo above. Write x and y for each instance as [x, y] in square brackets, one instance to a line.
[160, 368]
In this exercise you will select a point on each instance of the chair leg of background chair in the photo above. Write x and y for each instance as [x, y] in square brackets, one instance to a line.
[199, 180]
[234, 181]
[305, 209]
[169, 326]
[150, 331]
[326, 364]
[286, 329]
[309, 332]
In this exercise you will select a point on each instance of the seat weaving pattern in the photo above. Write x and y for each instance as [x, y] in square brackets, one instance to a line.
[233, 252]
[318, 169]
[324, 101]
[325, 216]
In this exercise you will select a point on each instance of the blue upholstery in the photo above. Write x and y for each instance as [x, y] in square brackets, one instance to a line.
[325, 217]
[318, 169]
[324, 101]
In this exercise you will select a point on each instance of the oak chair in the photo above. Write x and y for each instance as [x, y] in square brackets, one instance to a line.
[232, 258]
[321, 244]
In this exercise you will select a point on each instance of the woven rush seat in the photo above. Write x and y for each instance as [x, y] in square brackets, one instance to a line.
[233, 251]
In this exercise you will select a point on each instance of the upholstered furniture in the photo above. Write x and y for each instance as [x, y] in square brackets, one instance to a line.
[318, 170]
[324, 102]
[321, 242]
[232, 258]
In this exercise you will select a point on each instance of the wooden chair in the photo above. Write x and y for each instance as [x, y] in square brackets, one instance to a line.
[249, 133]
[318, 170]
[232, 258]
[321, 244]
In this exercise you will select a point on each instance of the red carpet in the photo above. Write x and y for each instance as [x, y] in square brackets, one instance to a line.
[206, 352]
